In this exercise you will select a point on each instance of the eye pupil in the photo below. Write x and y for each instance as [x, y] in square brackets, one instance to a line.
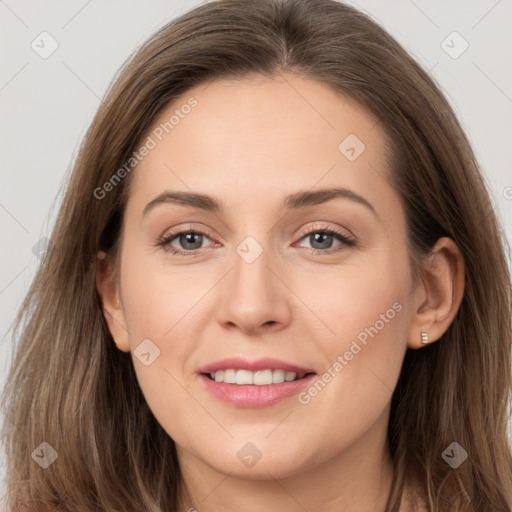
[188, 238]
[317, 237]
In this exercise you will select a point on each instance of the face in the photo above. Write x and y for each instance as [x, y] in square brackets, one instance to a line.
[267, 306]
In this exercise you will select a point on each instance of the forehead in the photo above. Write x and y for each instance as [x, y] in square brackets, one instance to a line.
[262, 136]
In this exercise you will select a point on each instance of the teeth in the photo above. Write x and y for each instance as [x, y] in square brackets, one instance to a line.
[259, 378]
[277, 376]
[243, 377]
[229, 376]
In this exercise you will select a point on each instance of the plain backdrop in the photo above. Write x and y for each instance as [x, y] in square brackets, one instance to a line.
[47, 103]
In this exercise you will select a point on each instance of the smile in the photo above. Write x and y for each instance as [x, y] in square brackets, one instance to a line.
[258, 378]
[254, 384]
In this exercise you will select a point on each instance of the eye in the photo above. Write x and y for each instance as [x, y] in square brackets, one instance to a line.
[321, 240]
[190, 240]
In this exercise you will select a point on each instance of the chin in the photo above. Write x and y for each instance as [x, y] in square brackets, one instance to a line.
[251, 463]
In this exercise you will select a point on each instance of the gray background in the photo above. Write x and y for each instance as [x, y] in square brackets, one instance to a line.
[47, 104]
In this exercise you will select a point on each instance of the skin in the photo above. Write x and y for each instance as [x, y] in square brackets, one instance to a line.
[250, 144]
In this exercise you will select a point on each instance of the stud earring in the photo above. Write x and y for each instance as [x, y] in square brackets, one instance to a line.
[424, 338]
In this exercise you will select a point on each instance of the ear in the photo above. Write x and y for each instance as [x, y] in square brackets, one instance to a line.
[108, 289]
[438, 295]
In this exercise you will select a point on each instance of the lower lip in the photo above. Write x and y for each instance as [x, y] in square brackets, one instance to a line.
[252, 396]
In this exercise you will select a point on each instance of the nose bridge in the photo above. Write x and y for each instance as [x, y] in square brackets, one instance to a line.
[251, 277]
[251, 273]
[253, 297]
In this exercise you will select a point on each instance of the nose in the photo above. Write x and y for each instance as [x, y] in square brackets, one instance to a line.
[253, 297]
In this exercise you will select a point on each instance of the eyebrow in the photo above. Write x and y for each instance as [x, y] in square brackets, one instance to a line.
[295, 201]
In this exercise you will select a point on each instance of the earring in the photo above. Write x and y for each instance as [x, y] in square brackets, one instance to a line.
[424, 338]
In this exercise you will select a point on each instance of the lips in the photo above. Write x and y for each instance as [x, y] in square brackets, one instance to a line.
[251, 384]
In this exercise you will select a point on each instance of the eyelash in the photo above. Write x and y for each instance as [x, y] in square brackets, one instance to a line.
[165, 241]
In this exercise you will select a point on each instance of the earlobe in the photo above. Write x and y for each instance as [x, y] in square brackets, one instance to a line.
[108, 290]
[438, 296]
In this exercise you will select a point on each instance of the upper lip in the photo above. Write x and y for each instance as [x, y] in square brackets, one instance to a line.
[266, 363]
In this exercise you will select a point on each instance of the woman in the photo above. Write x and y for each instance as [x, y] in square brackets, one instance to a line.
[276, 282]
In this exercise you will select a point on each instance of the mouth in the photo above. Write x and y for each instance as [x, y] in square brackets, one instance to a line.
[254, 384]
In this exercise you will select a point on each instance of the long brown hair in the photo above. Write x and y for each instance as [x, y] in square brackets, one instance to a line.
[71, 388]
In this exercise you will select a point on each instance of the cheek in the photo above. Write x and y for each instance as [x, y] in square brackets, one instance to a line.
[362, 300]
[158, 298]
[163, 313]
[362, 323]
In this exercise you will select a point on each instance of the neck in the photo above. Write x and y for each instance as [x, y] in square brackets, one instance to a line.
[356, 480]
